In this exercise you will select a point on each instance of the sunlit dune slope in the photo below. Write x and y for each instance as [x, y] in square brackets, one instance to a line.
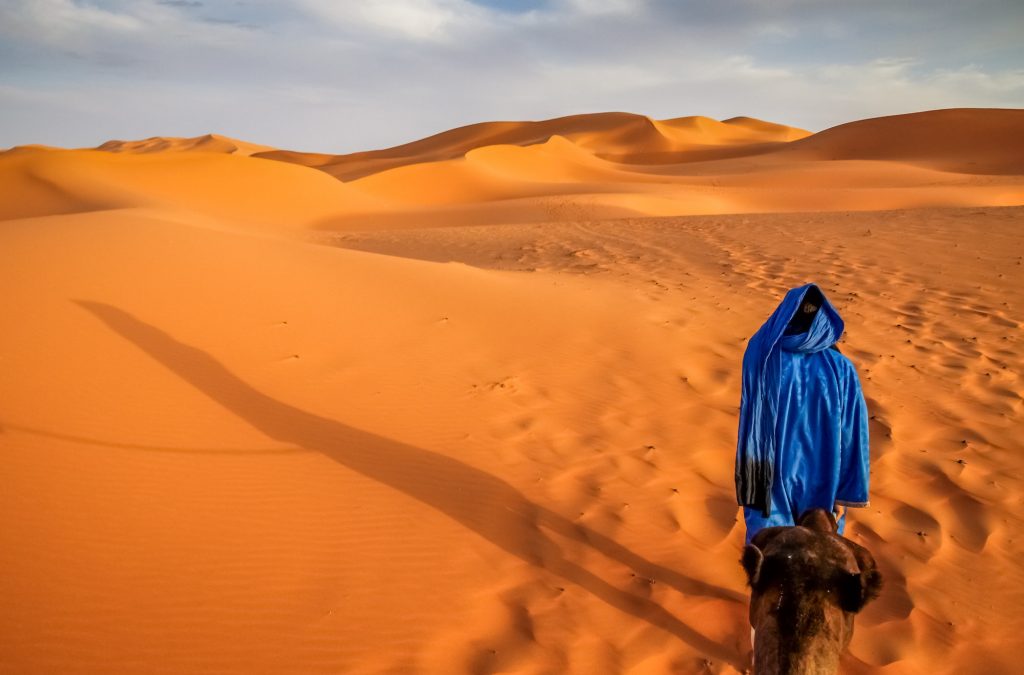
[623, 136]
[224, 452]
[234, 453]
[37, 182]
[767, 131]
[613, 165]
[255, 418]
[933, 311]
[581, 167]
[494, 172]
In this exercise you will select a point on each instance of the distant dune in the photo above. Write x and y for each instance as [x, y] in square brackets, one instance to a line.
[188, 177]
[606, 165]
[974, 141]
[621, 136]
[469, 404]
[207, 143]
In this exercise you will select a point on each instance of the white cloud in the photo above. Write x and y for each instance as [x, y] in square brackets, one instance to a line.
[63, 24]
[599, 7]
[1007, 84]
[335, 76]
[742, 67]
[426, 20]
[775, 30]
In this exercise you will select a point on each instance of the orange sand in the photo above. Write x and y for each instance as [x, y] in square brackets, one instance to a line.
[256, 416]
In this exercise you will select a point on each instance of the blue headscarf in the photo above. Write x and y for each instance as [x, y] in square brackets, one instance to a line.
[755, 447]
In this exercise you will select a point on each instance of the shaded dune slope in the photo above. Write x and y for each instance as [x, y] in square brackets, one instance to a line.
[984, 141]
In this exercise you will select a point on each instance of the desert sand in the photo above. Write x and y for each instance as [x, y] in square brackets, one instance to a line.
[469, 405]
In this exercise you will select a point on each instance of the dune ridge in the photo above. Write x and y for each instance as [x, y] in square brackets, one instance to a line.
[621, 135]
[598, 166]
[205, 143]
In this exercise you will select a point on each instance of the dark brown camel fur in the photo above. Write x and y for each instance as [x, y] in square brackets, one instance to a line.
[807, 583]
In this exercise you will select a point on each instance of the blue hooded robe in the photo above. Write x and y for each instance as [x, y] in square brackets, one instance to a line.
[803, 432]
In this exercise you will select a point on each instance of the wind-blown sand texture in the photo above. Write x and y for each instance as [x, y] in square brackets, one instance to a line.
[468, 405]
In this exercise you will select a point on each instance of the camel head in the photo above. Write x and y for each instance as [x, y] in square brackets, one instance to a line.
[807, 583]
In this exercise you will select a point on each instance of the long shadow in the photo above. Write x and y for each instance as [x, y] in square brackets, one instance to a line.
[160, 449]
[488, 505]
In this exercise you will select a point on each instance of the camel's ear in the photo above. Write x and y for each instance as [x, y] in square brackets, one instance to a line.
[751, 561]
[819, 520]
[753, 553]
[857, 590]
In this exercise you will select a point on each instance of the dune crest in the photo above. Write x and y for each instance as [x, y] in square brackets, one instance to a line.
[207, 143]
[593, 167]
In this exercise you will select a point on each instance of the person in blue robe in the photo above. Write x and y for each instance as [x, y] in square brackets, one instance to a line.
[803, 430]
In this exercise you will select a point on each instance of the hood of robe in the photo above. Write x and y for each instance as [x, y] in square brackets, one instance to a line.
[755, 447]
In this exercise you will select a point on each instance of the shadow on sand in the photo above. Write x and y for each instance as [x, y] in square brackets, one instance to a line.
[485, 504]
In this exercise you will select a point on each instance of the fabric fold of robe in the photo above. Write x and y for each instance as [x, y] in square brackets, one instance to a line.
[803, 434]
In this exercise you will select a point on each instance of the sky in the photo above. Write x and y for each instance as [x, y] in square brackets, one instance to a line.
[347, 75]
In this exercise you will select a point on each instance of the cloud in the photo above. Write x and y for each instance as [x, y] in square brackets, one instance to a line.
[333, 76]
[419, 20]
[1007, 85]
[598, 7]
[56, 23]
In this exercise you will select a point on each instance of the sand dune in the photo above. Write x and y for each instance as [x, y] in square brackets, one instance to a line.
[590, 166]
[933, 316]
[39, 182]
[472, 408]
[623, 136]
[207, 143]
[981, 141]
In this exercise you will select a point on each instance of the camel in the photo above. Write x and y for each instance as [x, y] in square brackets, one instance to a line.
[807, 583]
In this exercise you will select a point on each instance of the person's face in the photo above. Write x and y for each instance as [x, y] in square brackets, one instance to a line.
[803, 318]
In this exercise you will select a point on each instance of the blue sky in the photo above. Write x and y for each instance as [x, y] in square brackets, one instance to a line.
[346, 75]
